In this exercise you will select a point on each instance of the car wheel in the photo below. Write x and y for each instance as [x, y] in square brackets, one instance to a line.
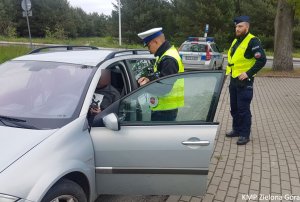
[221, 66]
[65, 190]
[215, 66]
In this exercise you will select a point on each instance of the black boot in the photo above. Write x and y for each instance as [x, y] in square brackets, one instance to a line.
[232, 134]
[242, 140]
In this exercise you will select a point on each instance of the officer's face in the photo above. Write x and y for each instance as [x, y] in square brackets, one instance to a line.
[152, 46]
[241, 29]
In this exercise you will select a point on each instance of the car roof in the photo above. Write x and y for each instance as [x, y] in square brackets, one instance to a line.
[198, 42]
[81, 57]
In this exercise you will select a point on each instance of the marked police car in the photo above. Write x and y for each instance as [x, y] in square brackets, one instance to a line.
[50, 152]
[201, 53]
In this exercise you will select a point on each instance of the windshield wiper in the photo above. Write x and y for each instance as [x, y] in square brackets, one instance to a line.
[16, 121]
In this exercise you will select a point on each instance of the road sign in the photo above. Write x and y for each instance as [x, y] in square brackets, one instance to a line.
[206, 30]
[26, 5]
[29, 13]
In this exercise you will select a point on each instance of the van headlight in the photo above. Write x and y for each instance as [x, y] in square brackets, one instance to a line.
[6, 198]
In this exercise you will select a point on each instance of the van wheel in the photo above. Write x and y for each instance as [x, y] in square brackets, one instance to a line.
[65, 191]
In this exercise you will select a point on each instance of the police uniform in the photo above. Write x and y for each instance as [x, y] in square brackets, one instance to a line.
[167, 62]
[245, 55]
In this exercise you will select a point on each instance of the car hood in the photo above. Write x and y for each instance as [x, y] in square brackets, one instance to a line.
[15, 142]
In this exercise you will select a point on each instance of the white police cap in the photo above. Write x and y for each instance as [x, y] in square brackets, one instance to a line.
[148, 35]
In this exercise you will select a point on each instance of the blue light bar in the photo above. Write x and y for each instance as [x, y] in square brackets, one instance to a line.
[192, 38]
[210, 39]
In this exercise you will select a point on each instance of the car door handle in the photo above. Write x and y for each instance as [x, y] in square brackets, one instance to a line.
[196, 143]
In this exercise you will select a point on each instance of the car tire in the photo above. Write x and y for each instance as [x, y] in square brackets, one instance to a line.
[65, 190]
[215, 66]
[221, 66]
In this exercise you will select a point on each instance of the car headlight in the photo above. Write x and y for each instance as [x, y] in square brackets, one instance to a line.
[6, 198]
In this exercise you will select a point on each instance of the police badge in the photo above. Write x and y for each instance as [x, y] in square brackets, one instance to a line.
[152, 100]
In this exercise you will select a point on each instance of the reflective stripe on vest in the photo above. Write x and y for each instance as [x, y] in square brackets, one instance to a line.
[173, 53]
[175, 98]
[238, 64]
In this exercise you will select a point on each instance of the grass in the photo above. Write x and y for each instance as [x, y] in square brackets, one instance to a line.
[9, 52]
[107, 42]
[12, 51]
[268, 72]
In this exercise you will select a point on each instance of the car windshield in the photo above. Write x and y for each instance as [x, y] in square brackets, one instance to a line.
[44, 94]
[214, 47]
[193, 48]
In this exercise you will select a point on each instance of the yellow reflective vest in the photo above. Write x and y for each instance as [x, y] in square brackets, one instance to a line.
[175, 98]
[238, 64]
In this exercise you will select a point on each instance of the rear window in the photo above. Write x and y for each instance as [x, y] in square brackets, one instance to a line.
[193, 48]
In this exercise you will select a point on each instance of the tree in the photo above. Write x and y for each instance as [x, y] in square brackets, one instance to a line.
[283, 44]
[140, 15]
[7, 17]
[261, 20]
[191, 17]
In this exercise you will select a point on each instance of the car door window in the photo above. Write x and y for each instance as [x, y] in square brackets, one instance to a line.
[200, 99]
[141, 67]
[215, 48]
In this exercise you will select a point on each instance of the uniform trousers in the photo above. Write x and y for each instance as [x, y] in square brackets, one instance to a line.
[167, 115]
[241, 94]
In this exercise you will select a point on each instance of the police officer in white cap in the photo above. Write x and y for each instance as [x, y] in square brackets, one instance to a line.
[167, 62]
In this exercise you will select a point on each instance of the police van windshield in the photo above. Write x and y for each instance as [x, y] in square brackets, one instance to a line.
[45, 94]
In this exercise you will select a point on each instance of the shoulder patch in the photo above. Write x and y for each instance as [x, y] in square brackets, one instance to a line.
[257, 55]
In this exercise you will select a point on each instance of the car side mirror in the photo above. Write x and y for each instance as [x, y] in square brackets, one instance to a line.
[111, 121]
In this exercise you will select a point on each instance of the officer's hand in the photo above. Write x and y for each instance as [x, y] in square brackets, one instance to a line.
[143, 80]
[243, 76]
[95, 111]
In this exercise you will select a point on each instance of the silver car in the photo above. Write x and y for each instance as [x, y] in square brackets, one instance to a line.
[49, 151]
[200, 53]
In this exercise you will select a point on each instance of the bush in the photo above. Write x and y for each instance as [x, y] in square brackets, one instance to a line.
[57, 33]
[10, 32]
[296, 35]
[48, 33]
[267, 41]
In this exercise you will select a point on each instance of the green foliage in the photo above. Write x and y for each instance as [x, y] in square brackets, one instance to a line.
[57, 33]
[9, 52]
[55, 16]
[296, 33]
[266, 41]
[48, 33]
[296, 6]
[107, 42]
[10, 31]
[139, 15]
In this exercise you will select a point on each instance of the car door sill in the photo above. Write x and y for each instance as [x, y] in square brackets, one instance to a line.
[139, 170]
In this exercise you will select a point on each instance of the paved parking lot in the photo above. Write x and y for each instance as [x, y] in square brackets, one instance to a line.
[268, 167]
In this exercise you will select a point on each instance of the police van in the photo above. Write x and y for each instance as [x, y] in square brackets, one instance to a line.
[201, 53]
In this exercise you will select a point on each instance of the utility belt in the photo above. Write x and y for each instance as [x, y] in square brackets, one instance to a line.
[241, 83]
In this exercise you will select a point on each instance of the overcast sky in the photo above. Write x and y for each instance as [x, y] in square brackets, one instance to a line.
[99, 6]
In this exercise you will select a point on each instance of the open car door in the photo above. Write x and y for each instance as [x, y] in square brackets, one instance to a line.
[140, 156]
